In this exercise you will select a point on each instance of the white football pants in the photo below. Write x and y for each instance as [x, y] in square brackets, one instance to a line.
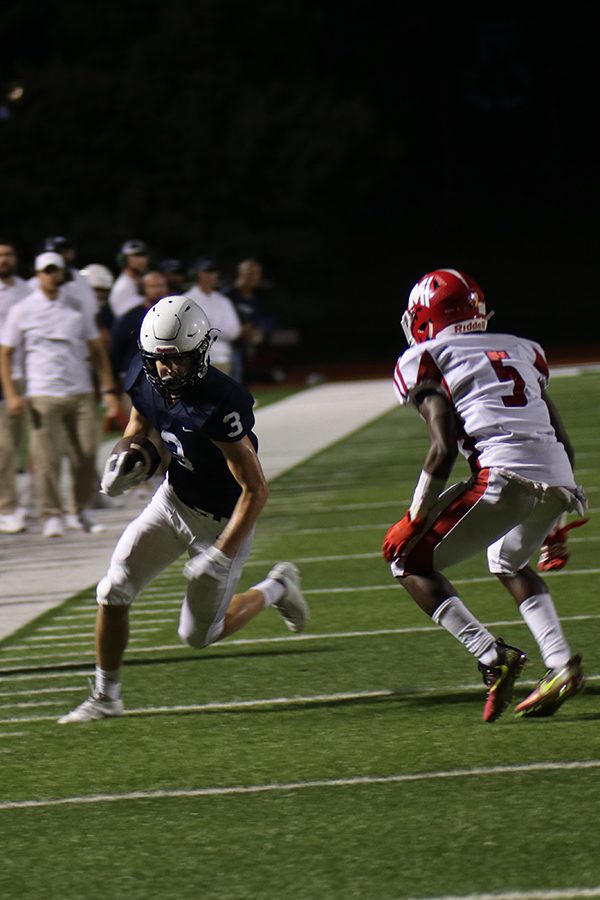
[155, 539]
[497, 510]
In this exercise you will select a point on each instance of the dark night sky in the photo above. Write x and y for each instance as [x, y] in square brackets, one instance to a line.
[352, 148]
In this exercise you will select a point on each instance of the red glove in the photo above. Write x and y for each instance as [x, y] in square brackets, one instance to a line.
[399, 535]
[554, 553]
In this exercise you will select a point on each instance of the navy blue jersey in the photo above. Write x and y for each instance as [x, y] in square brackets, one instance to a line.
[217, 409]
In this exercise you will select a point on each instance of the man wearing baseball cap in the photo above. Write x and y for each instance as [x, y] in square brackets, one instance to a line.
[76, 283]
[133, 258]
[59, 340]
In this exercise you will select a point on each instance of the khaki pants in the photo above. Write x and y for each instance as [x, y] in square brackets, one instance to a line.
[59, 426]
[12, 429]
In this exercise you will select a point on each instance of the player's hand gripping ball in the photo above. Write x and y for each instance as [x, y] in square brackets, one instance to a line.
[133, 460]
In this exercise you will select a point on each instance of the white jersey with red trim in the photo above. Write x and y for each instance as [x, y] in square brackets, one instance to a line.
[495, 383]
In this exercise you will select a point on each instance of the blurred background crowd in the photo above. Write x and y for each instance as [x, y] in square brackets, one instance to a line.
[67, 337]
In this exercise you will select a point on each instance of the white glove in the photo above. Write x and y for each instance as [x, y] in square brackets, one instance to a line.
[118, 478]
[212, 562]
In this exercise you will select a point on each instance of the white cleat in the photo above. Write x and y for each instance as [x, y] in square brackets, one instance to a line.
[96, 707]
[292, 606]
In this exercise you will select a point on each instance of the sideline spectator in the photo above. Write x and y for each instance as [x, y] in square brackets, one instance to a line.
[219, 310]
[485, 395]
[255, 324]
[125, 292]
[101, 280]
[75, 283]
[13, 516]
[126, 329]
[57, 340]
[174, 272]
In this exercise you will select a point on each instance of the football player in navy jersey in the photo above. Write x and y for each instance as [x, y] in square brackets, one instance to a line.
[198, 422]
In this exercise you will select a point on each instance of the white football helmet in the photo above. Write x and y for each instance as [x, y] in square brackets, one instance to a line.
[98, 276]
[176, 326]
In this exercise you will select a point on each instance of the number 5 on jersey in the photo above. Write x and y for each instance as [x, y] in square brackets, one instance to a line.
[508, 373]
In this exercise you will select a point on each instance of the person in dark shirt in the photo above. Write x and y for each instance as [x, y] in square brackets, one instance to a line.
[201, 421]
[126, 328]
[245, 295]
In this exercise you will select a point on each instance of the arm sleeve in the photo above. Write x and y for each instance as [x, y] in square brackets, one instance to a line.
[232, 420]
[10, 335]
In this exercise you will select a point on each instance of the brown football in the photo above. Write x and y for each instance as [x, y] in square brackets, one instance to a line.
[139, 449]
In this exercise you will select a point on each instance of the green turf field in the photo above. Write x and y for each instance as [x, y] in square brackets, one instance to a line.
[349, 762]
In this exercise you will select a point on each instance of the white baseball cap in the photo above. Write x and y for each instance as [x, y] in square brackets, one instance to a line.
[48, 259]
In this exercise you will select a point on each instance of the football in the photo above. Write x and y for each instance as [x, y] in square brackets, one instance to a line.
[139, 449]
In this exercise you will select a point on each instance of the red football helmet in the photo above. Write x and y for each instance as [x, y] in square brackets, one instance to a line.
[444, 299]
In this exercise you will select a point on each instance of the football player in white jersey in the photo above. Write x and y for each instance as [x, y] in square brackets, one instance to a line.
[207, 506]
[484, 394]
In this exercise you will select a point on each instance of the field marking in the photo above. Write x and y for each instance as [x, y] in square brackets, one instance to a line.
[46, 638]
[278, 787]
[261, 703]
[36, 691]
[566, 894]
[278, 639]
[383, 526]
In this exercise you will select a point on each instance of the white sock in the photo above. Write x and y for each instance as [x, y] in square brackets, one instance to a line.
[454, 616]
[108, 683]
[271, 590]
[542, 620]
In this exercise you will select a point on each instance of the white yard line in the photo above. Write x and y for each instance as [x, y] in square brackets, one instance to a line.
[278, 787]
[565, 894]
[263, 702]
[31, 656]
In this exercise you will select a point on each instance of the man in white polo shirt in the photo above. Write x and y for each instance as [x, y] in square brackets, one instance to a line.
[219, 311]
[125, 293]
[12, 289]
[58, 342]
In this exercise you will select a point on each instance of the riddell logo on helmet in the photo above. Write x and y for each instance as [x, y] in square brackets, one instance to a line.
[465, 327]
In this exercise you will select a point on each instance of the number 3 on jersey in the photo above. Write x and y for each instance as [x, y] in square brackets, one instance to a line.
[508, 373]
[233, 419]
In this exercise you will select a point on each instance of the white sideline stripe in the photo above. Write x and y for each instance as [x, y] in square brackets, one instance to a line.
[169, 599]
[13, 734]
[45, 676]
[225, 705]
[68, 634]
[166, 596]
[321, 636]
[42, 639]
[383, 526]
[566, 894]
[232, 704]
[31, 704]
[356, 781]
[36, 691]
